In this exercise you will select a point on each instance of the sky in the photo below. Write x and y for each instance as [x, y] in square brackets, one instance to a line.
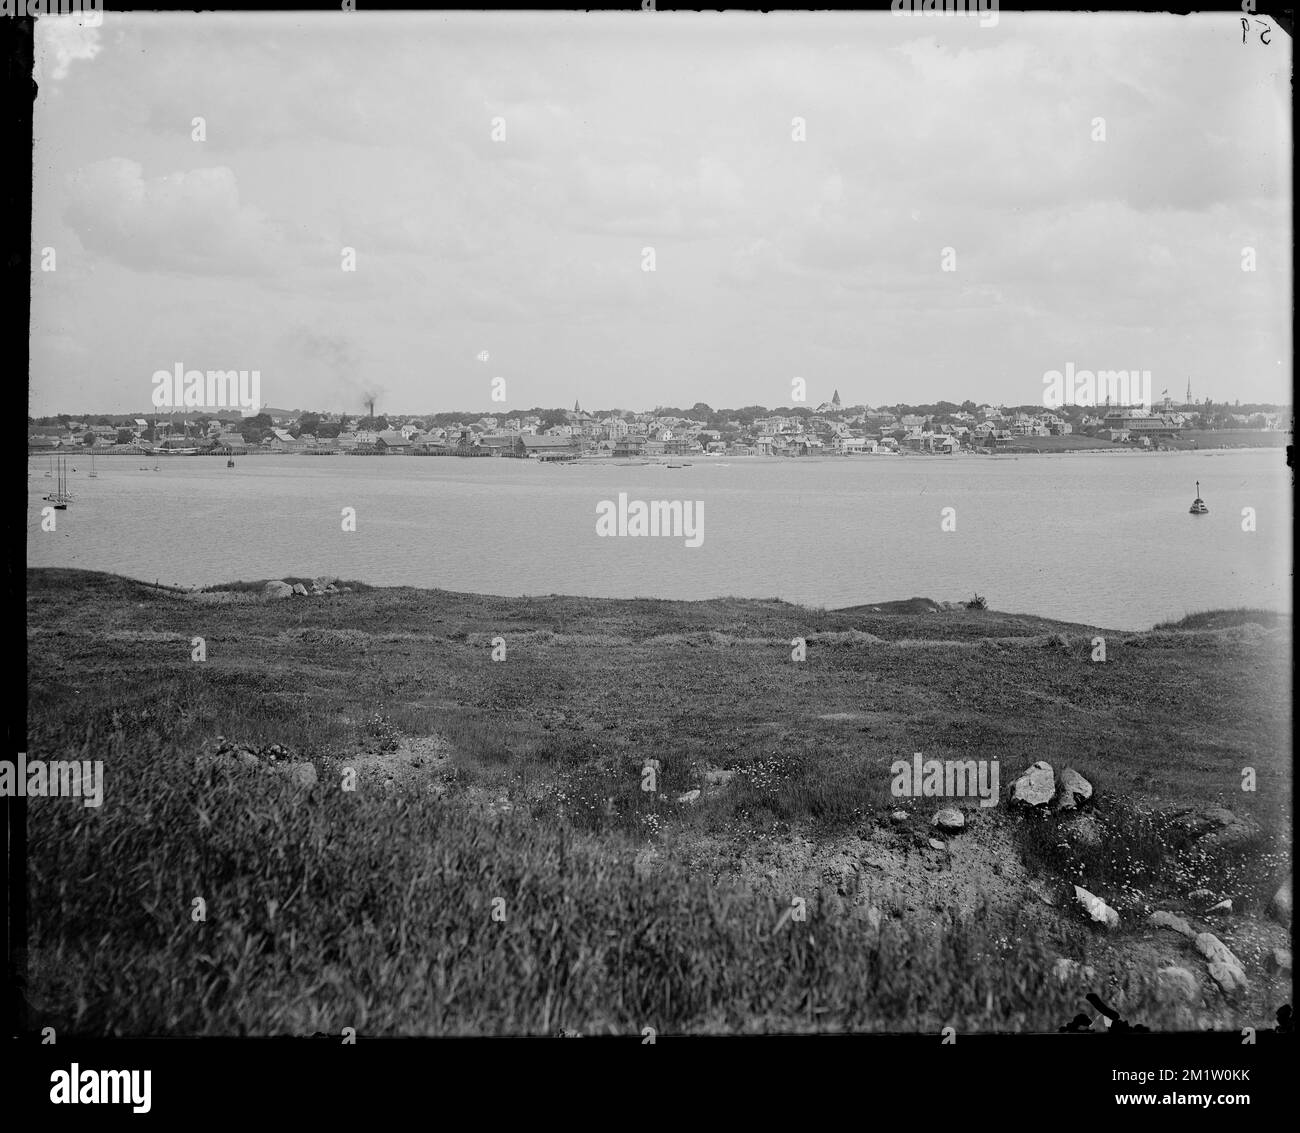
[928, 143]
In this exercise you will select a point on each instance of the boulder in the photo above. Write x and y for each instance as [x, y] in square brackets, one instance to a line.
[300, 589]
[1280, 906]
[1230, 978]
[1224, 906]
[324, 582]
[1279, 960]
[935, 844]
[898, 817]
[1073, 790]
[1162, 919]
[949, 820]
[1178, 983]
[277, 589]
[1036, 786]
[1096, 908]
[1215, 951]
[689, 797]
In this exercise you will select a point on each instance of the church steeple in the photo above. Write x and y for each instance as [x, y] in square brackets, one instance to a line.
[835, 401]
[576, 407]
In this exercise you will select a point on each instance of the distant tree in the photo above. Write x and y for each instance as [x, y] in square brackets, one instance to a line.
[309, 423]
[553, 417]
[253, 429]
[328, 430]
[124, 436]
[88, 439]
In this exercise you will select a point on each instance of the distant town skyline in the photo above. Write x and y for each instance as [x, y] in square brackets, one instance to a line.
[410, 205]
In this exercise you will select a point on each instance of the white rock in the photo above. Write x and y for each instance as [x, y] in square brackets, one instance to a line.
[300, 589]
[1230, 978]
[1215, 951]
[1036, 786]
[1096, 908]
[899, 816]
[1162, 919]
[949, 819]
[1224, 906]
[935, 844]
[277, 589]
[689, 797]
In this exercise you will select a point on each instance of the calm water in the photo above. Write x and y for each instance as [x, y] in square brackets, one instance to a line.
[1102, 539]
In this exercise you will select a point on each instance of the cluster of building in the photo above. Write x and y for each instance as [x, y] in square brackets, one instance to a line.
[829, 430]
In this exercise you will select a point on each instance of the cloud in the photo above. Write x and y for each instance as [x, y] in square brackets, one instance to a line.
[60, 40]
[188, 222]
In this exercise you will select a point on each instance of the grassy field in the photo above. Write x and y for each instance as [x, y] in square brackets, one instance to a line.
[620, 908]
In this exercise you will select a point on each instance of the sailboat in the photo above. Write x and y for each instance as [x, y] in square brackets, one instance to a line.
[61, 497]
[93, 474]
[1198, 505]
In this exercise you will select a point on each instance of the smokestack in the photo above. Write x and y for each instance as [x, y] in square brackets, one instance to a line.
[370, 405]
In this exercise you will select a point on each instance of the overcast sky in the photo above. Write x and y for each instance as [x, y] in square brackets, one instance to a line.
[773, 258]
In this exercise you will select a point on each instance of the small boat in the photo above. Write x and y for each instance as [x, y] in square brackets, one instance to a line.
[1198, 505]
[61, 497]
[230, 464]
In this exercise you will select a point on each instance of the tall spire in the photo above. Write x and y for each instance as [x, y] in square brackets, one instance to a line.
[836, 399]
[576, 407]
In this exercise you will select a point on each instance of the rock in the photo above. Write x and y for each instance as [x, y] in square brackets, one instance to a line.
[1224, 906]
[1085, 832]
[300, 589]
[1074, 789]
[1096, 908]
[1162, 919]
[324, 582]
[898, 817]
[689, 797]
[304, 774]
[1230, 978]
[1218, 827]
[935, 844]
[248, 759]
[1280, 906]
[331, 590]
[277, 589]
[1178, 983]
[949, 819]
[1279, 960]
[1036, 786]
[1201, 895]
[1065, 970]
[1215, 951]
